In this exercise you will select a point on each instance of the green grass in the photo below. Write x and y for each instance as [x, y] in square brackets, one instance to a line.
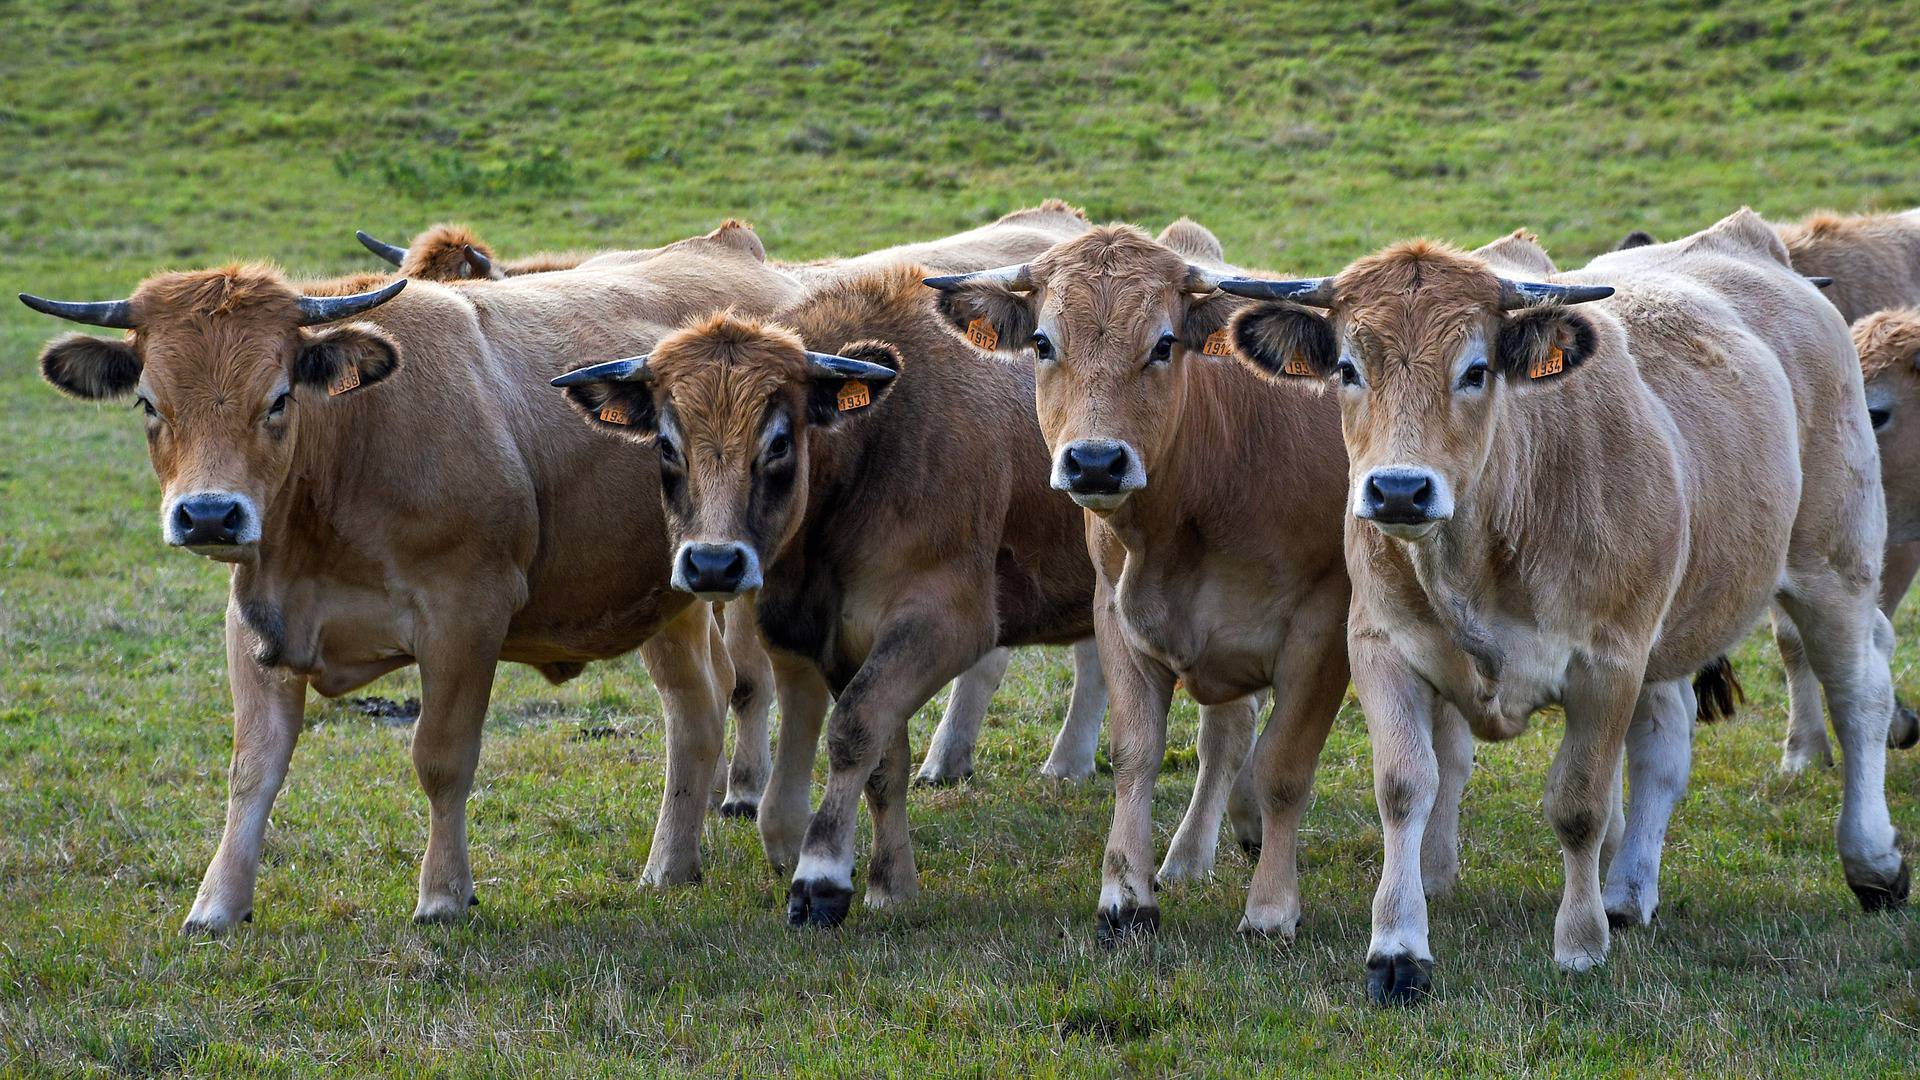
[134, 137]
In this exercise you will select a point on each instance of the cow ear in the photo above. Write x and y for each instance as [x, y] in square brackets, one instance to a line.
[1205, 328]
[990, 315]
[90, 368]
[339, 359]
[1284, 341]
[619, 408]
[1543, 343]
[831, 398]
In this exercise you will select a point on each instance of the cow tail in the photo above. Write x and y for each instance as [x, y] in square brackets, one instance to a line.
[1718, 691]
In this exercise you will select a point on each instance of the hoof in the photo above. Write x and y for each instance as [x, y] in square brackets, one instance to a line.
[818, 903]
[942, 779]
[740, 809]
[1271, 925]
[1796, 761]
[1399, 979]
[1251, 849]
[1627, 919]
[1884, 895]
[1904, 732]
[211, 926]
[1073, 771]
[443, 912]
[1118, 924]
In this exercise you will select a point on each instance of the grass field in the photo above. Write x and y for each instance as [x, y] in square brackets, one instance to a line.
[141, 136]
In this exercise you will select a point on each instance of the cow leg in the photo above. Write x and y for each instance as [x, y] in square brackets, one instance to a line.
[891, 878]
[1399, 707]
[1659, 760]
[1243, 801]
[1078, 742]
[752, 702]
[689, 665]
[1806, 722]
[1582, 785]
[1844, 642]
[1226, 734]
[913, 655]
[1140, 693]
[950, 754]
[268, 704]
[804, 700]
[456, 679]
[1440, 845]
[1896, 575]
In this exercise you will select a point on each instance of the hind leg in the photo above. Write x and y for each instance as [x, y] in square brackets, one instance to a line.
[1440, 845]
[950, 754]
[1226, 734]
[1079, 738]
[1659, 761]
[1806, 724]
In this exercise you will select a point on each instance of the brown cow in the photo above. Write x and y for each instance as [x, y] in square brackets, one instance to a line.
[453, 517]
[885, 501]
[1215, 568]
[1586, 505]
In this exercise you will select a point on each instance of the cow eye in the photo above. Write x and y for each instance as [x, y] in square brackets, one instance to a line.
[1162, 350]
[147, 407]
[779, 447]
[1042, 348]
[669, 453]
[1474, 377]
[279, 406]
[1879, 416]
[1349, 375]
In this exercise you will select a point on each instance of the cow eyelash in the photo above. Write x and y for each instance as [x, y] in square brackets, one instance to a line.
[1042, 347]
[778, 447]
[1349, 375]
[1474, 377]
[279, 405]
[1162, 351]
[147, 407]
[669, 454]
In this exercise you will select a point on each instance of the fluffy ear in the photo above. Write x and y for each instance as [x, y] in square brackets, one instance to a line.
[1543, 343]
[990, 316]
[832, 397]
[90, 368]
[1282, 340]
[1204, 329]
[347, 357]
[620, 408]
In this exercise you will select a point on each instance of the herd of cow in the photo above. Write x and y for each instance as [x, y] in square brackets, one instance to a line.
[1468, 483]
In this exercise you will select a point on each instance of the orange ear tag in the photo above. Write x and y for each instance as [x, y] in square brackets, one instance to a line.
[1297, 364]
[1217, 344]
[982, 334]
[614, 413]
[1550, 364]
[345, 381]
[854, 395]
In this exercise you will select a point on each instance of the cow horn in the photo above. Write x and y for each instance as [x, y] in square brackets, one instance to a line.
[1317, 292]
[633, 369]
[1525, 294]
[319, 309]
[386, 251]
[1015, 278]
[117, 314]
[478, 260]
[1202, 280]
[845, 367]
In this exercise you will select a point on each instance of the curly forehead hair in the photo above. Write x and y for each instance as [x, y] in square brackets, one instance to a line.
[1886, 338]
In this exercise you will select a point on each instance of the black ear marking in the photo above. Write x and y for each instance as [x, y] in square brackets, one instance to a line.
[343, 358]
[1204, 328]
[619, 408]
[1543, 343]
[829, 399]
[1281, 340]
[989, 316]
[90, 368]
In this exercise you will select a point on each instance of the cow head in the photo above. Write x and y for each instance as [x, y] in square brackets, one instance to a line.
[1111, 319]
[220, 364]
[442, 253]
[1889, 344]
[732, 405]
[1425, 344]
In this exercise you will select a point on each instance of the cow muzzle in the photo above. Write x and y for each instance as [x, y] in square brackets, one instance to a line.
[217, 524]
[1098, 473]
[716, 571]
[1406, 502]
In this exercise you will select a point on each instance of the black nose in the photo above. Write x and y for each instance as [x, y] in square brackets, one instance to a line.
[713, 568]
[207, 520]
[1400, 497]
[1095, 468]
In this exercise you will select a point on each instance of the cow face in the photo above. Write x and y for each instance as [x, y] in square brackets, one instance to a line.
[1424, 345]
[1112, 319]
[732, 406]
[220, 365]
[1889, 344]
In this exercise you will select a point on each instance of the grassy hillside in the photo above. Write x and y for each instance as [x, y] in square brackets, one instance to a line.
[141, 136]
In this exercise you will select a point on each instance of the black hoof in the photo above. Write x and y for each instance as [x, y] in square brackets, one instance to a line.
[1884, 896]
[942, 781]
[747, 810]
[1905, 732]
[1626, 920]
[1398, 979]
[248, 917]
[818, 903]
[474, 900]
[1117, 924]
[1251, 849]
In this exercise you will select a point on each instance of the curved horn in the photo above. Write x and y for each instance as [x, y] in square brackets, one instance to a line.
[1525, 294]
[478, 260]
[117, 314]
[386, 251]
[1016, 278]
[633, 369]
[1202, 280]
[319, 309]
[845, 367]
[1317, 292]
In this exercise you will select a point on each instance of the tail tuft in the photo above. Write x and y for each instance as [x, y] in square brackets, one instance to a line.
[1718, 691]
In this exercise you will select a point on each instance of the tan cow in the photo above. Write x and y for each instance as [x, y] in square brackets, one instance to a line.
[1585, 505]
[404, 488]
[1212, 516]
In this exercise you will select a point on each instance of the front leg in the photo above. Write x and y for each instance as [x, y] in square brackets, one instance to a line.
[689, 666]
[456, 679]
[268, 704]
[1582, 785]
[804, 700]
[1140, 691]
[1659, 760]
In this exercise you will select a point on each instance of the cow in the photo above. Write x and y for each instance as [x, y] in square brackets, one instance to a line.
[882, 493]
[1216, 569]
[392, 483]
[1582, 490]
[455, 252]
